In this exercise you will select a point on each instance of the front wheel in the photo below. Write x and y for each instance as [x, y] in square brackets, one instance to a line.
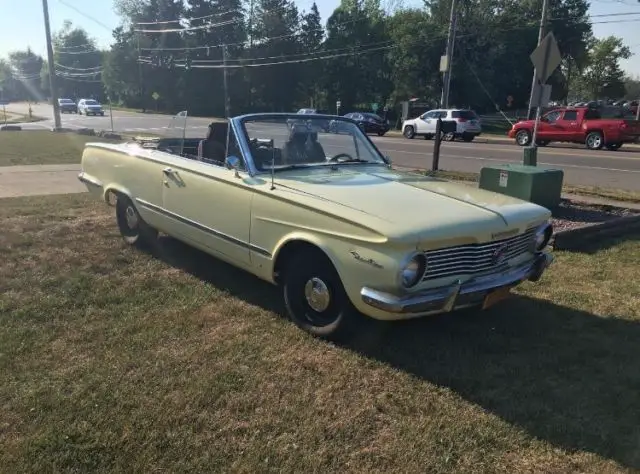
[134, 230]
[381, 133]
[467, 138]
[523, 137]
[409, 132]
[594, 140]
[315, 298]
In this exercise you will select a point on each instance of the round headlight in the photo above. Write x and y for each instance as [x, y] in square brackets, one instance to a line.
[542, 236]
[413, 270]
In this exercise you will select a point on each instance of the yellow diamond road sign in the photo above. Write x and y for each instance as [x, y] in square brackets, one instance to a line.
[546, 57]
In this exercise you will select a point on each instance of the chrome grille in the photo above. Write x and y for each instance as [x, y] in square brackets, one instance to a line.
[475, 259]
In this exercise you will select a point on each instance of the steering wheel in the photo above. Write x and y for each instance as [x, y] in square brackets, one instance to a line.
[341, 155]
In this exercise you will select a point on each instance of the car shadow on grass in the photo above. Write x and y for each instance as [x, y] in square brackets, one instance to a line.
[562, 375]
[223, 276]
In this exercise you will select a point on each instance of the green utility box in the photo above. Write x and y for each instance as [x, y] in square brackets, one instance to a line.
[541, 186]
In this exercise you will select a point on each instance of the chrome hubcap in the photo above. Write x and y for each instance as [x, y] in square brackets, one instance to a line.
[317, 294]
[594, 141]
[522, 138]
[132, 219]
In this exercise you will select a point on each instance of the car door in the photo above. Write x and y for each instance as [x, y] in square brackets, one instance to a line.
[427, 122]
[549, 128]
[210, 205]
[567, 126]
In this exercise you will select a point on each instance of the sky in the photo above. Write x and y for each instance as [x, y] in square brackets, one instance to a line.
[22, 25]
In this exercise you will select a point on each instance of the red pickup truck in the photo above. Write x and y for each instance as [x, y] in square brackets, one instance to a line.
[580, 125]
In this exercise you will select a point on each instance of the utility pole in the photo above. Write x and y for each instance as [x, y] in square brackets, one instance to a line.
[227, 103]
[52, 69]
[543, 21]
[446, 77]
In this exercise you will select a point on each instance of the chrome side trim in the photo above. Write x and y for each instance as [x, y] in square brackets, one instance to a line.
[204, 228]
[87, 180]
[457, 295]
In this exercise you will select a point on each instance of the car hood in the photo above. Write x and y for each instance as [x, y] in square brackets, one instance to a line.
[409, 205]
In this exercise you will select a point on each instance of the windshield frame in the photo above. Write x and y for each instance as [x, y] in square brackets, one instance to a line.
[239, 126]
[91, 102]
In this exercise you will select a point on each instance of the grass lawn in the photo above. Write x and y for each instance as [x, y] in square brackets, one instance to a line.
[39, 147]
[114, 360]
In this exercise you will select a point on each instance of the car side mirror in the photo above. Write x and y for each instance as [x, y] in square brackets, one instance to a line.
[388, 160]
[232, 162]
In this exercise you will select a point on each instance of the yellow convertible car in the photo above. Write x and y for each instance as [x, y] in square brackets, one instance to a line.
[322, 214]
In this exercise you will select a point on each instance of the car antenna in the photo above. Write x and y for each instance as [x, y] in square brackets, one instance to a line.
[273, 164]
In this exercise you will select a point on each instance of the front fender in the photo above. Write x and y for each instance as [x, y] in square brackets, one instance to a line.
[357, 263]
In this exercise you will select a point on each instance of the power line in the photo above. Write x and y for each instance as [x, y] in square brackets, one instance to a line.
[191, 28]
[166, 22]
[85, 15]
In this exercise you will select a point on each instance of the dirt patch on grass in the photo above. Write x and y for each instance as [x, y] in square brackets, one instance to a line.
[112, 359]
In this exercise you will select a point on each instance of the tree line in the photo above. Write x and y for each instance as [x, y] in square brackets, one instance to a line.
[279, 58]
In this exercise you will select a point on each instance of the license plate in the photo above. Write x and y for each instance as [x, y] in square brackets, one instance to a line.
[495, 297]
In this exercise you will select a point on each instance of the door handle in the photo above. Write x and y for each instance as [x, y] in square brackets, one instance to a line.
[168, 171]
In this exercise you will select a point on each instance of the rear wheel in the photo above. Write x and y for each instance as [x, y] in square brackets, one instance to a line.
[409, 132]
[134, 230]
[594, 140]
[449, 137]
[542, 142]
[613, 146]
[467, 137]
[315, 298]
[523, 137]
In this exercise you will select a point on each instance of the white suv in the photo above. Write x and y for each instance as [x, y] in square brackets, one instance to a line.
[90, 107]
[467, 124]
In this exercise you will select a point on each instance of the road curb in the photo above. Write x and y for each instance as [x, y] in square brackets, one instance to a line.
[580, 238]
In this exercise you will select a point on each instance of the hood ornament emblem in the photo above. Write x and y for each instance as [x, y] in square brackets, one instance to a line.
[499, 255]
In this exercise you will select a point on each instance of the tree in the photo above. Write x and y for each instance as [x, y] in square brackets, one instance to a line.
[205, 86]
[603, 78]
[358, 27]
[25, 69]
[311, 37]
[78, 63]
[276, 30]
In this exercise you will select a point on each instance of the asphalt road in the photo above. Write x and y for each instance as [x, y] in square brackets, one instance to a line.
[619, 169]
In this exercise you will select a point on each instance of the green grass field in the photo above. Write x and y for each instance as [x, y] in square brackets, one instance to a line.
[35, 147]
[114, 360]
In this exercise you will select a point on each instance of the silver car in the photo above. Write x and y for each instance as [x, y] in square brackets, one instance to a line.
[90, 107]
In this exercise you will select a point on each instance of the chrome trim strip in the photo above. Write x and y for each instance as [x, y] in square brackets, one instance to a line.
[443, 299]
[87, 180]
[204, 228]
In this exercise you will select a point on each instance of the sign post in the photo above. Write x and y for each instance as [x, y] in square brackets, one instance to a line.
[545, 58]
[111, 114]
[338, 105]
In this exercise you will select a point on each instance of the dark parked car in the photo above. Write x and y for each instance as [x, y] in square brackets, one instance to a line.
[323, 123]
[369, 122]
[67, 105]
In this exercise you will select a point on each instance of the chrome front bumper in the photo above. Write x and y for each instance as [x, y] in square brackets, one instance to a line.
[456, 296]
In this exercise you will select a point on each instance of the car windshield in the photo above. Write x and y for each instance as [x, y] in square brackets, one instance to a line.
[288, 142]
[90, 102]
[66, 101]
